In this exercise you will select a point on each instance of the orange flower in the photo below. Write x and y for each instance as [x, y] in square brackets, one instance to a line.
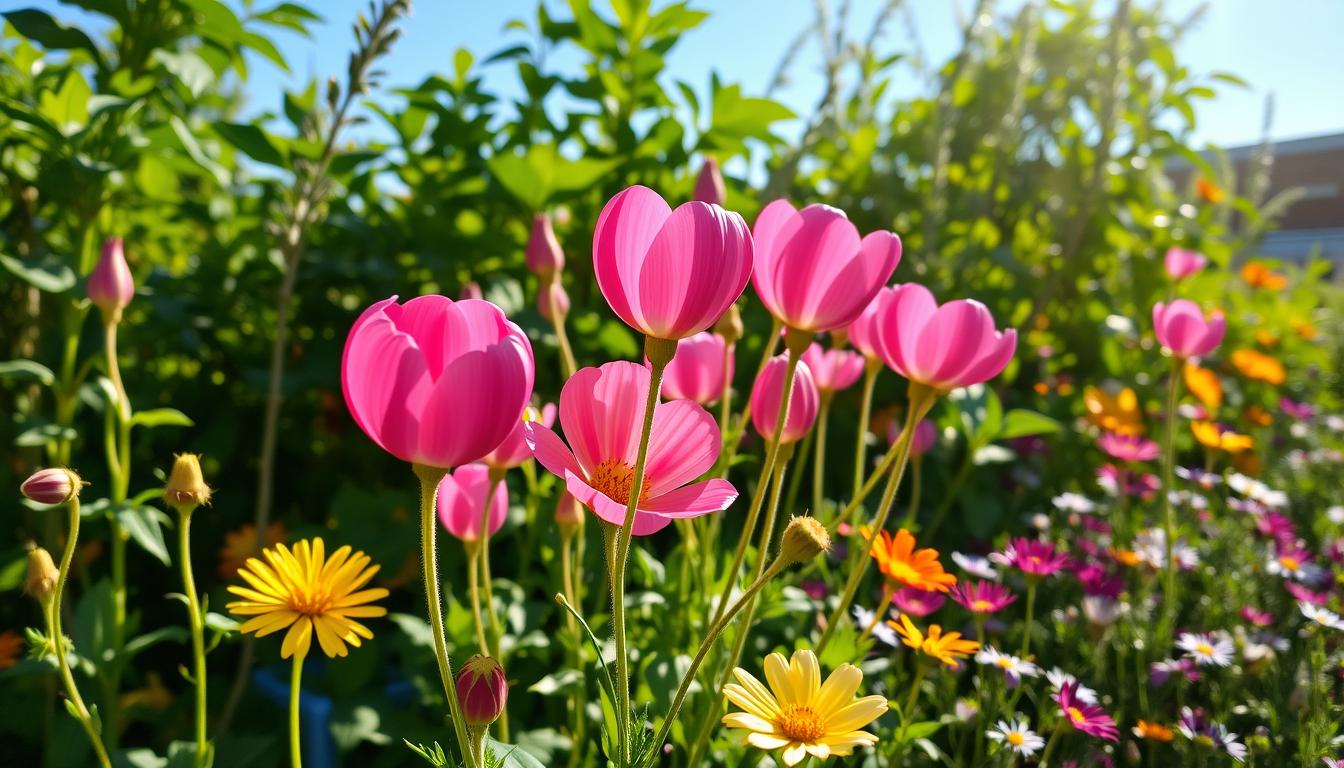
[1204, 385]
[1304, 329]
[1126, 557]
[947, 648]
[1153, 731]
[241, 544]
[11, 648]
[1119, 414]
[1211, 435]
[900, 562]
[1258, 416]
[1257, 275]
[1258, 366]
[1208, 191]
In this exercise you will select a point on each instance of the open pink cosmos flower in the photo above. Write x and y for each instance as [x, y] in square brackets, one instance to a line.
[833, 369]
[1183, 329]
[1032, 557]
[462, 498]
[1086, 718]
[697, 371]
[812, 270]
[602, 410]
[434, 381]
[955, 345]
[983, 596]
[1128, 447]
[765, 401]
[1183, 262]
[669, 273]
[514, 450]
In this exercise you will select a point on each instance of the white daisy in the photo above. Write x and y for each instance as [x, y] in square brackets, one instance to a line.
[1322, 616]
[1207, 648]
[1059, 678]
[1014, 667]
[975, 565]
[1227, 741]
[1151, 547]
[1074, 502]
[1017, 737]
[1292, 564]
[882, 630]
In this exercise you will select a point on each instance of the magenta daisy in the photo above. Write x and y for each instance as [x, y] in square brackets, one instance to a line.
[1086, 718]
[983, 597]
[1128, 447]
[1034, 558]
[918, 602]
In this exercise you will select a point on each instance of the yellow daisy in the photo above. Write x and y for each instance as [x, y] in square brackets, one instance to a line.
[799, 713]
[309, 593]
[947, 648]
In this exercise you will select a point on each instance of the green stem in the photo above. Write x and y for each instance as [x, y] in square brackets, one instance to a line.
[1169, 515]
[953, 488]
[872, 368]
[295, 677]
[1050, 746]
[579, 694]
[474, 593]
[819, 456]
[1032, 582]
[58, 639]
[568, 366]
[429, 487]
[883, 467]
[492, 617]
[120, 474]
[907, 712]
[197, 632]
[916, 484]
[879, 613]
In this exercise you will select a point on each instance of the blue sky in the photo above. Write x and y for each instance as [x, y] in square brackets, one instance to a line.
[1287, 47]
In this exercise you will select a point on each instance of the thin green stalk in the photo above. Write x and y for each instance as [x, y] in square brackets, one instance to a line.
[429, 487]
[872, 367]
[819, 456]
[473, 549]
[197, 625]
[492, 617]
[953, 488]
[295, 677]
[1032, 583]
[1050, 745]
[1168, 513]
[883, 467]
[916, 484]
[880, 613]
[120, 475]
[907, 712]
[567, 364]
[579, 693]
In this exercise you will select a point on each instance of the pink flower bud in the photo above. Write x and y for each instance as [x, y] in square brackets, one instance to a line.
[110, 286]
[52, 486]
[544, 256]
[568, 514]
[925, 435]
[482, 691]
[553, 300]
[1182, 262]
[709, 186]
[472, 290]
[767, 392]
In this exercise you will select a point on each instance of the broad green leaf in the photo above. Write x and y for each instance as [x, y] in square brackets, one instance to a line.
[20, 370]
[145, 526]
[161, 417]
[513, 756]
[44, 434]
[48, 274]
[1020, 422]
[67, 107]
[171, 633]
[190, 70]
[49, 33]
[253, 142]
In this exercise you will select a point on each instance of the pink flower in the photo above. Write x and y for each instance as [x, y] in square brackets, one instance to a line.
[983, 596]
[833, 369]
[925, 436]
[482, 691]
[697, 371]
[544, 256]
[462, 498]
[1182, 262]
[110, 286]
[812, 271]
[436, 382]
[471, 290]
[765, 401]
[552, 300]
[1183, 329]
[1127, 447]
[1307, 594]
[945, 347]
[1087, 718]
[513, 452]
[918, 602]
[862, 333]
[1034, 558]
[669, 273]
[602, 410]
[709, 186]
[1256, 617]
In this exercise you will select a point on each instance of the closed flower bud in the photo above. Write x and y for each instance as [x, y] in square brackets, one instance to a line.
[110, 286]
[552, 300]
[42, 575]
[730, 325]
[568, 514]
[709, 186]
[482, 691]
[186, 488]
[544, 256]
[804, 539]
[472, 290]
[52, 486]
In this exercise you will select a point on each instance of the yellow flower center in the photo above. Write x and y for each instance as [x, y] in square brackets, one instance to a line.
[980, 606]
[1290, 563]
[1204, 649]
[1075, 715]
[310, 599]
[1015, 738]
[799, 722]
[1005, 662]
[614, 479]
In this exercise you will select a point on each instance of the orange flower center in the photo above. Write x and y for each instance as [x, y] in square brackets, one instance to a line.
[614, 478]
[799, 722]
[310, 600]
[1290, 563]
[1015, 738]
[1075, 715]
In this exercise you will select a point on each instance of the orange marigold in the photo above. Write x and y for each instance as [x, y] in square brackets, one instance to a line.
[1208, 191]
[1304, 329]
[1205, 385]
[1258, 416]
[1211, 435]
[1153, 731]
[900, 562]
[1119, 413]
[1257, 275]
[1259, 366]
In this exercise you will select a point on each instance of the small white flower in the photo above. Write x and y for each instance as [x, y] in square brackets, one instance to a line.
[1207, 648]
[1227, 741]
[975, 565]
[1074, 502]
[1322, 616]
[1059, 678]
[1151, 547]
[882, 630]
[1335, 514]
[1016, 736]
[1205, 480]
[1290, 565]
[1014, 667]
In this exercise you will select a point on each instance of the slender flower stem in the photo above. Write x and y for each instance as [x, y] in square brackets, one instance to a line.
[879, 613]
[579, 694]
[197, 632]
[916, 484]
[473, 549]
[869, 485]
[659, 353]
[873, 366]
[819, 455]
[119, 471]
[568, 366]
[492, 617]
[1168, 513]
[1050, 746]
[1032, 583]
[295, 689]
[726, 397]
[907, 712]
[953, 489]
[922, 399]
[58, 639]
[429, 487]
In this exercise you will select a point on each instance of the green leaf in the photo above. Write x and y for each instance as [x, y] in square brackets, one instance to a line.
[161, 417]
[68, 107]
[48, 274]
[49, 33]
[145, 526]
[536, 176]
[556, 683]
[44, 434]
[221, 623]
[253, 142]
[921, 730]
[21, 370]
[290, 15]
[140, 643]
[1020, 422]
[512, 756]
[189, 69]
[93, 623]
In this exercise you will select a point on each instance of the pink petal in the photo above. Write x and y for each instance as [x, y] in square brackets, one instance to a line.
[904, 315]
[851, 288]
[775, 224]
[385, 381]
[807, 264]
[991, 362]
[610, 511]
[626, 228]
[550, 451]
[602, 411]
[683, 444]
[952, 340]
[476, 402]
[696, 266]
[693, 500]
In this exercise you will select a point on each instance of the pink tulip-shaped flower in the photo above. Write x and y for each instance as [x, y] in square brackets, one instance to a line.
[697, 371]
[765, 401]
[462, 498]
[1184, 330]
[862, 333]
[1183, 262]
[812, 271]
[833, 369]
[544, 256]
[436, 382]
[669, 273]
[513, 452]
[110, 286]
[955, 345]
[709, 186]
[602, 410]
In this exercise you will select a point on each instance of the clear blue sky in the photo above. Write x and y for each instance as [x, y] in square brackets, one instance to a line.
[1288, 47]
